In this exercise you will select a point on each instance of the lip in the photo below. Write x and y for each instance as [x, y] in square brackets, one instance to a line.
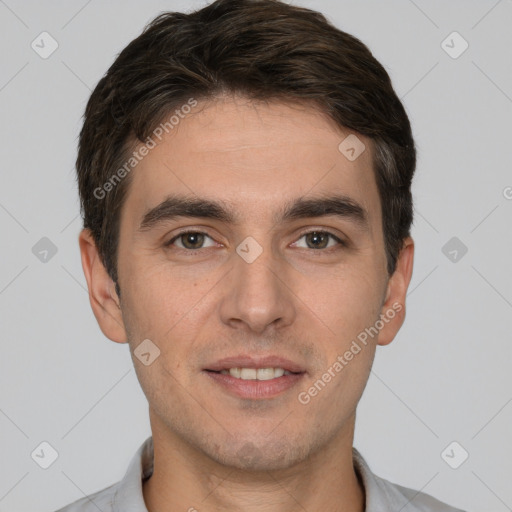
[245, 361]
[255, 389]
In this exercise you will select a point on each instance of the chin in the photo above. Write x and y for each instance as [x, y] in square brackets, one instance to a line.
[263, 456]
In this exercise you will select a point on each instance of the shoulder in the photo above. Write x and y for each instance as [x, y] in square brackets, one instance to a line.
[101, 500]
[124, 495]
[414, 501]
[381, 494]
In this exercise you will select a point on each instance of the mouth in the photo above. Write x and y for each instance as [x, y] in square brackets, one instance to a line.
[255, 378]
[255, 373]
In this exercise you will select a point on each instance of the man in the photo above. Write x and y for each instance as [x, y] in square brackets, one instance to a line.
[245, 175]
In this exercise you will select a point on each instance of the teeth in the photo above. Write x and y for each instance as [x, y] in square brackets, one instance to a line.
[248, 373]
[265, 373]
[234, 372]
[256, 374]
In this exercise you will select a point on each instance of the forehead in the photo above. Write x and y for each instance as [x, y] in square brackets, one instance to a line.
[255, 156]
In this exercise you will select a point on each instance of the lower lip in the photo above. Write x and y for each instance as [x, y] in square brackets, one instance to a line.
[256, 389]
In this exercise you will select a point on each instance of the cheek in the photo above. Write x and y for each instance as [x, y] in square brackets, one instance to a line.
[346, 299]
[154, 295]
[165, 306]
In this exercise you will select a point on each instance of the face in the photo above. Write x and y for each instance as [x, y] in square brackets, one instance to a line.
[284, 268]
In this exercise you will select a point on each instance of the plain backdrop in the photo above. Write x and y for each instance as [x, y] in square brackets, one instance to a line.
[446, 378]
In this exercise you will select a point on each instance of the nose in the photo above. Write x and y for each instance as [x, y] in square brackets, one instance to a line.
[257, 295]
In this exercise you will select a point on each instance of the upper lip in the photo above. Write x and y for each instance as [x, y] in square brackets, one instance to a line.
[245, 361]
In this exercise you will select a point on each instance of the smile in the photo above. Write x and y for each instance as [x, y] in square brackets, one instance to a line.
[256, 373]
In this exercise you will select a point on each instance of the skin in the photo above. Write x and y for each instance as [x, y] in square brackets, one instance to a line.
[214, 451]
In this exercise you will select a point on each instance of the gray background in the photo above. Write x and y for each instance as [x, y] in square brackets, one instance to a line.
[445, 378]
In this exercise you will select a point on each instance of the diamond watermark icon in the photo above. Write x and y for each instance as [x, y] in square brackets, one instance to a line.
[249, 249]
[454, 45]
[454, 455]
[44, 45]
[454, 249]
[351, 147]
[146, 352]
[44, 250]
[44, 455]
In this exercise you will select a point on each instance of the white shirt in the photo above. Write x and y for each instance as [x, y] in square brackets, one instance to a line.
[126, 495]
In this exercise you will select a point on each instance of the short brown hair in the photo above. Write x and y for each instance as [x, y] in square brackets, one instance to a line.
[262, 49]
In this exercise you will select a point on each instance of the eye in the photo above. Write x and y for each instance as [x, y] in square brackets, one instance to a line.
[194, 240]
[190, 240]
[318, 239]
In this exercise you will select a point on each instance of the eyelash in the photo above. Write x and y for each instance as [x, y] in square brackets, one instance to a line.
[341, 242]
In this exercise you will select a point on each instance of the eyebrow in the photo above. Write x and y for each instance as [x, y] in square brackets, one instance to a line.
[175, 206]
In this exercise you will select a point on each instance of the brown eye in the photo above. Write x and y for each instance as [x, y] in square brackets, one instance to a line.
[319, 239]
[192, 240]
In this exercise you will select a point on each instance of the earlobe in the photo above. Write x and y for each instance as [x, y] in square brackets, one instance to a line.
[102, 295]
[393, 309]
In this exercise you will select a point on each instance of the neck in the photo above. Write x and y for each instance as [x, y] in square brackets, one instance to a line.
[188, 480]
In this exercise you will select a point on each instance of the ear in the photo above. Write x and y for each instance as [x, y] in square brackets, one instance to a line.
[102, 295]
[393, 309]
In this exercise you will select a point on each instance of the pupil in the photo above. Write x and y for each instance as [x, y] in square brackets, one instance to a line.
[195, 239]
[316, 236]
